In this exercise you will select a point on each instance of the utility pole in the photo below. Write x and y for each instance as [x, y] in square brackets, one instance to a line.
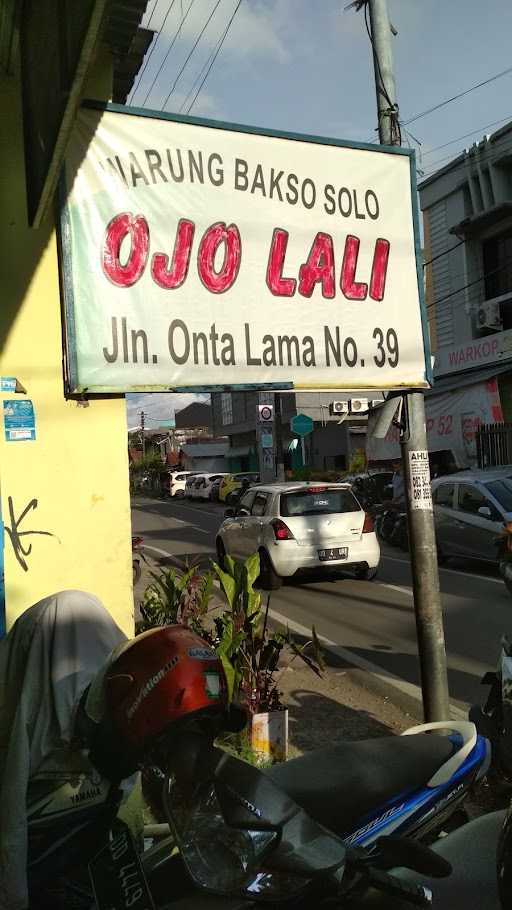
[278, 424]
[422, 541]
[143, 432]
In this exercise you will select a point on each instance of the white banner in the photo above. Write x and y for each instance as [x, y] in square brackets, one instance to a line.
[198, 256]
[452, 421]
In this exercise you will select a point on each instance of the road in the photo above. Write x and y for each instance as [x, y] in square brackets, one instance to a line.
[375, 620]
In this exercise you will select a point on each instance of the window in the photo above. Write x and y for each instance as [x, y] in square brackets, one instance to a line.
[318, 502]
[260, 504]
[247, 500]
[502, 491]
[226, 408]
[443, 495]
[497, 259]
[471, 499]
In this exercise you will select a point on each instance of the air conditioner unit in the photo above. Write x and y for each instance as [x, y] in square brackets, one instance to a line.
[488, 316]
[376, 402]
[358, 405]
[338, 407]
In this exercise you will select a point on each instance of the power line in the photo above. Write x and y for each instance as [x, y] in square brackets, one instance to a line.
[169, 49]
[155, 42]
[148, 23]
[467, 91]
[470, 284]
[485, 126]
[444, 253]
[196, 42]
[196, 80]
[224, 36]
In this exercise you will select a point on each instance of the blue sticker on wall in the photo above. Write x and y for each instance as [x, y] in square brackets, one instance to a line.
[19, 420]
[8, 383]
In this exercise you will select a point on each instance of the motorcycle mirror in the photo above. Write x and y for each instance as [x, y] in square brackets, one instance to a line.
[403, 851]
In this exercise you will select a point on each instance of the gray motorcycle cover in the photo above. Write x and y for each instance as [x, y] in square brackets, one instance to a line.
[51, 654]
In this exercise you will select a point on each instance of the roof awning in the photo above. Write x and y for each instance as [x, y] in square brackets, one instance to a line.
[460, 380]
[239, 451]
[482, 220]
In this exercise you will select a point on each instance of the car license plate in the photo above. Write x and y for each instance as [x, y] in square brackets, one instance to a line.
[333, 553]
[117, 877]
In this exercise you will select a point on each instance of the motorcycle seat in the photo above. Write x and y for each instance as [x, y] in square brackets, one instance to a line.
[340, 785]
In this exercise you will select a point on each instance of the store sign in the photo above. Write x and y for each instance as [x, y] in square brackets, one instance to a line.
[453, 419]
[476, 353]
[200, 256]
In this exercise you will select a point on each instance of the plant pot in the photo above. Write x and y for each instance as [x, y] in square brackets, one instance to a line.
[269, 735]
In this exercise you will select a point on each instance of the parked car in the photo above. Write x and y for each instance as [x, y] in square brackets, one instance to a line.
[470, 508]
[190, 484]
[232, 482]
[298, 526]
[204, 490]
[214, 492]
[176, 483]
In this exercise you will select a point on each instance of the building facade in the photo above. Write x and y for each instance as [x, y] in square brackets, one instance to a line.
[467, 211]
[65, 505]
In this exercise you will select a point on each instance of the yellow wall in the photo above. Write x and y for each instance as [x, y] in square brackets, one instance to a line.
[77, 468]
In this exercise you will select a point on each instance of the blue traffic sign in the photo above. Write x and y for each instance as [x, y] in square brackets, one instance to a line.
[302, 425]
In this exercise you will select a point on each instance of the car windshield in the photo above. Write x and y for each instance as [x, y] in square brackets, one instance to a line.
[502, 491]
[318, 502]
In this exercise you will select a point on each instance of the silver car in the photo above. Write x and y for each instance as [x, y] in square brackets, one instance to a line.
[469, 509]
[297, 526]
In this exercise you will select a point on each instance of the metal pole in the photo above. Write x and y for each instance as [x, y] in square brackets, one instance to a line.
[422, 541]
[278, 423]
[143, 432]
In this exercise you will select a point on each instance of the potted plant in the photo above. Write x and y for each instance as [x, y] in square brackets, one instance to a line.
[250, 654]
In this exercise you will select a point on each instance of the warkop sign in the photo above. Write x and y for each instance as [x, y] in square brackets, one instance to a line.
[195, 255]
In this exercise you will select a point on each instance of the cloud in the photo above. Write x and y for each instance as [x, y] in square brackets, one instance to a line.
[157, 406]
[257, 29]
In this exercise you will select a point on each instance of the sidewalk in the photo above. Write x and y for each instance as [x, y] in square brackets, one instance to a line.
[322, 711]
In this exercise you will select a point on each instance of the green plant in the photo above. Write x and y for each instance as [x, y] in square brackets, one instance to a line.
[248, 649]
[174, 597]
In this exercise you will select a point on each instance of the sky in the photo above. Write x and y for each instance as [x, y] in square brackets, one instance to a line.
[305, 66]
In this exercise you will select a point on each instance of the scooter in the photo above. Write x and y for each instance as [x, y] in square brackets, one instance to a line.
[494, 719]
[358, 792]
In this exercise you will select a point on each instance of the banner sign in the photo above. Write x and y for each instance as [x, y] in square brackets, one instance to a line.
[452, 419]
[201, 256]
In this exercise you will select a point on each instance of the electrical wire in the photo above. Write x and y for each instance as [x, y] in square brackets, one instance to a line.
[472, 88]
[148, 23]
[169, 49]
[470, 284]
[444, 253]
[196, 42]
[198, 77]
[153, 46]
[485, 126]
[224, 36]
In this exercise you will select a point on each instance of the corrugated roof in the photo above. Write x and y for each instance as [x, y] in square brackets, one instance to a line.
[129, 43]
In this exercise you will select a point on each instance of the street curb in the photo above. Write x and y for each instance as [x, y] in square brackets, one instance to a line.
[370, 675]
[405, 695]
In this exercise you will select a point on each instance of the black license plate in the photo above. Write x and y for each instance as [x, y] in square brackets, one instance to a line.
[117, 877]
[333, 553]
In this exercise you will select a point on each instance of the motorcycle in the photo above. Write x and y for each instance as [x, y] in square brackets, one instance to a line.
[137, 555]
[505, 555]
[354, 795]
[494, 719]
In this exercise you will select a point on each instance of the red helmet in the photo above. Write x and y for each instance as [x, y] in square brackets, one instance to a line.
[161, 677]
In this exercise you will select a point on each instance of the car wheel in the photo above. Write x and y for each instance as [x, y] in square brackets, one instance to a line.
[268, 579]
[179, 494]
[364, 573]
[221, 552]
